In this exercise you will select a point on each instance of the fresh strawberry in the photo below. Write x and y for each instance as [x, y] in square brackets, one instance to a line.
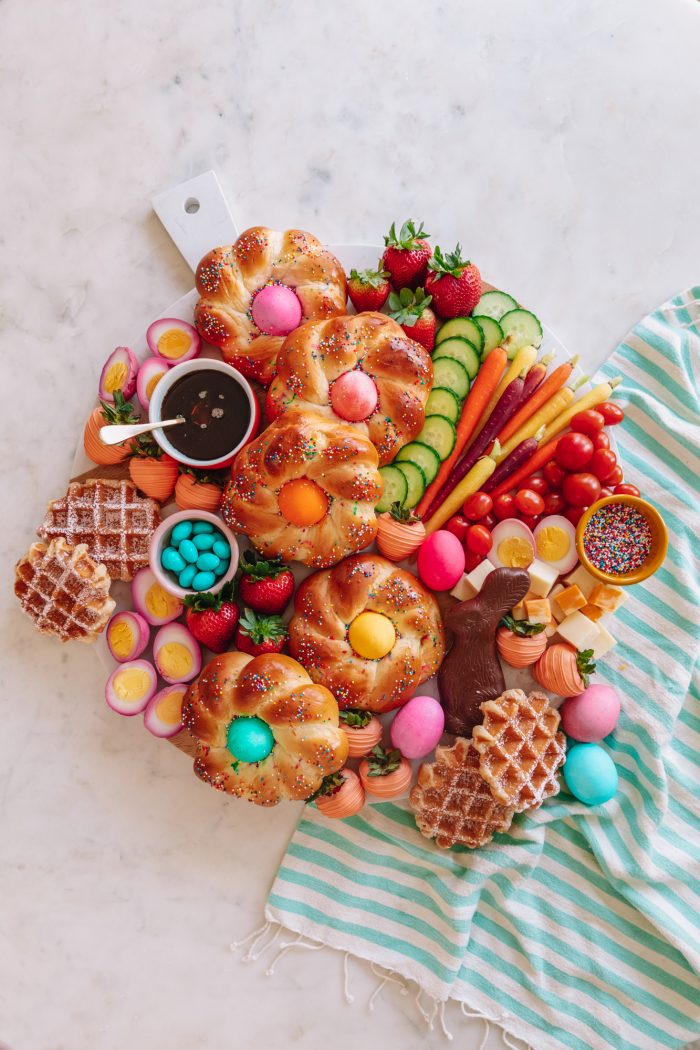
[260, 634]
[266, 585]
[454, 284]
[212, 618]
[368, 289]
[406, 255]
[413, 313]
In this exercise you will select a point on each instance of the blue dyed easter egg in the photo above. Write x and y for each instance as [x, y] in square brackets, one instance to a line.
[249, 739]
[590, 774]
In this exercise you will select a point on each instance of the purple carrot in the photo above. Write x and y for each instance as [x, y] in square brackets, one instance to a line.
[520, 453]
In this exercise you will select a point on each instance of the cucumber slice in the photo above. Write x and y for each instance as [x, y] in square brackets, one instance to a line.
[395, 488]
[423, 456]
[439, 432]
[450, 373]
[443, 402]
[415, 483]
[466, 327]
[493, 335]
[521, 328]
[461, 350]
[494, 304]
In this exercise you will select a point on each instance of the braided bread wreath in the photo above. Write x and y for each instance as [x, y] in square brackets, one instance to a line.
[316, 358]
[264, 731]
[229, 278]
[368, 630]
[305, 489]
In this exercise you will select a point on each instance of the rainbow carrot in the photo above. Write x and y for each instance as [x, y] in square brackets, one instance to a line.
[539, 397]
[536, 376]
[590, 399]
[519, 366]
[485, 383]
[543, 455]
[474, 480]
[544, 415]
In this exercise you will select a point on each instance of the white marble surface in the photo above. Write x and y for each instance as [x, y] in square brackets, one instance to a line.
[557, 141]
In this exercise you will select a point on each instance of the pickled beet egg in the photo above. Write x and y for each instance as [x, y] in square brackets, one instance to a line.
[130, 686]
[119, 372]
[127, 636]
[176, 654]
[152, 601]
[150, 373]
[173, 340]
[163, 715]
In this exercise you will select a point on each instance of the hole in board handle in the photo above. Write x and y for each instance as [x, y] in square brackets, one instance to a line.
[191, 205]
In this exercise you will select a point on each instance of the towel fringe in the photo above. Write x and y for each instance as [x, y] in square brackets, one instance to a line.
[387, 977]
[349, 998]
[441, 1015]
[291, 946]
[500, 1022]
[684, 306]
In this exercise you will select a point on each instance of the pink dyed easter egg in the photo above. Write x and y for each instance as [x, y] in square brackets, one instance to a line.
[276, 310]
[354, 395]
[418, 726]
[591, 715]
[441, 560]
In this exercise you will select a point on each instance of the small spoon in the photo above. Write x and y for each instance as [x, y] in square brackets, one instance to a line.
[118, 432]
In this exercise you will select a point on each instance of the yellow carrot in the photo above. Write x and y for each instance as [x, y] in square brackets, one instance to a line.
[520, 365]
[590, 399]
[544, 415]
[470, 483]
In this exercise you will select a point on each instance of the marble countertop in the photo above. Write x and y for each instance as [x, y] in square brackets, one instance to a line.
[556, 141]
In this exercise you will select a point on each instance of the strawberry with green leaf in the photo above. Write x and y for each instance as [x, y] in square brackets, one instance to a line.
[406, 254]
[266, 585]
[213, 618]
[385, 772]
[257, 634]
[153, 471]
[453, 282]
[368, 289]
[412, 311]
[363, 730]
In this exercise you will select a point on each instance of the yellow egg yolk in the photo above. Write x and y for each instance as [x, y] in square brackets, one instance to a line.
[116, 377]
[552, 543]
[302, 502]
[159, 603]
[173, 343]
[131, 684]
[121, 638]
[516, 552]
[372, 635]
[151, 384]
[174, 659]
[169, 710]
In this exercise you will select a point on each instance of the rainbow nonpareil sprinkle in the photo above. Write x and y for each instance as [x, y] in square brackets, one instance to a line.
[617, 539]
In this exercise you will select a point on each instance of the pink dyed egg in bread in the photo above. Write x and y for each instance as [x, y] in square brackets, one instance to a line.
[418, 726]
[441, 560]
[276, 310]
[591, 715]
[354, 396]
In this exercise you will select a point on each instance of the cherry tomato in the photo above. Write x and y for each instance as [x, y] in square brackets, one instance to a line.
[504, 507]
[554, 474]
[529, 502]
[574, 451]
[530, 519]
[616, 476]
[611, 413]
[604, 493]
[580, 490]
[479, 539]
[626, 490]
[602, 464]
[554, 503]
[488, 520]
[574, 513]
[458, 526]
[601, 440]
[536, 485]
[477, 506]
[588, 422]
[471, 560]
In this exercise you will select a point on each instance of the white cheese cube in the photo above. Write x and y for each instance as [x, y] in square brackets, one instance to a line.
[603, 642]
[542, 578]
[578, 630]
[583, 579]
[471, 583]
[463, 589]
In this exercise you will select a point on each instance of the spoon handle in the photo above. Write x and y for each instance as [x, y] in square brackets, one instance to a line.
[116, 433]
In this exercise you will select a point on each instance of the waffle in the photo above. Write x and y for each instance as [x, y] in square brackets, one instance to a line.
[520, 748]
[110, 518]
[453, 803]
[63, 590]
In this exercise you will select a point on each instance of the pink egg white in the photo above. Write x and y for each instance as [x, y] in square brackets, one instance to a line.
[127, 636]
[163, 716]
[176, 654]
[152, 369]
[509, 529]
[119, 373]
[173, 340]
[551, 534]
[152, 601]
[130, 686]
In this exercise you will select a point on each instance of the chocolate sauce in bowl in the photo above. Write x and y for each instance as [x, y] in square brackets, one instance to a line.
[216, 412]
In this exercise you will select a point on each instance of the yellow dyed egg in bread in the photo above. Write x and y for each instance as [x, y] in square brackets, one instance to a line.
[302, 502]
[372, 635]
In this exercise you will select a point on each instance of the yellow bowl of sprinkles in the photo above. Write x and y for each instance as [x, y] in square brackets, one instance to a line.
[621, 540]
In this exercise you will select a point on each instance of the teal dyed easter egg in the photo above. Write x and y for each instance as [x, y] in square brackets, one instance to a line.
[590, 774]
[249, 739]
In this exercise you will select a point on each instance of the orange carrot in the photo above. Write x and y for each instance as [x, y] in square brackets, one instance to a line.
[543, 392]
[535, 462]
[484, 385]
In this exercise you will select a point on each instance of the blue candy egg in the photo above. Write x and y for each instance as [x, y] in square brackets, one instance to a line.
[186, 576]
[188, 551]
[172, 560]
[223, 566]
[202, 526]
[590, 774]
[203, 581]
[249, 739]
[182, 530]
[221, 549]
[208, 561]
[203, 541]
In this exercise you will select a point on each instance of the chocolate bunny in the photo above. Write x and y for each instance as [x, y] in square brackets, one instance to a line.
[471, 671]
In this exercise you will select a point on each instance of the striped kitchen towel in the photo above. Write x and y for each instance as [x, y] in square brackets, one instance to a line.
[580, 928]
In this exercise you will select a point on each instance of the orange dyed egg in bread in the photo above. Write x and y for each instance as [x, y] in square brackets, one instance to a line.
[346, 800]
[302, 502]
